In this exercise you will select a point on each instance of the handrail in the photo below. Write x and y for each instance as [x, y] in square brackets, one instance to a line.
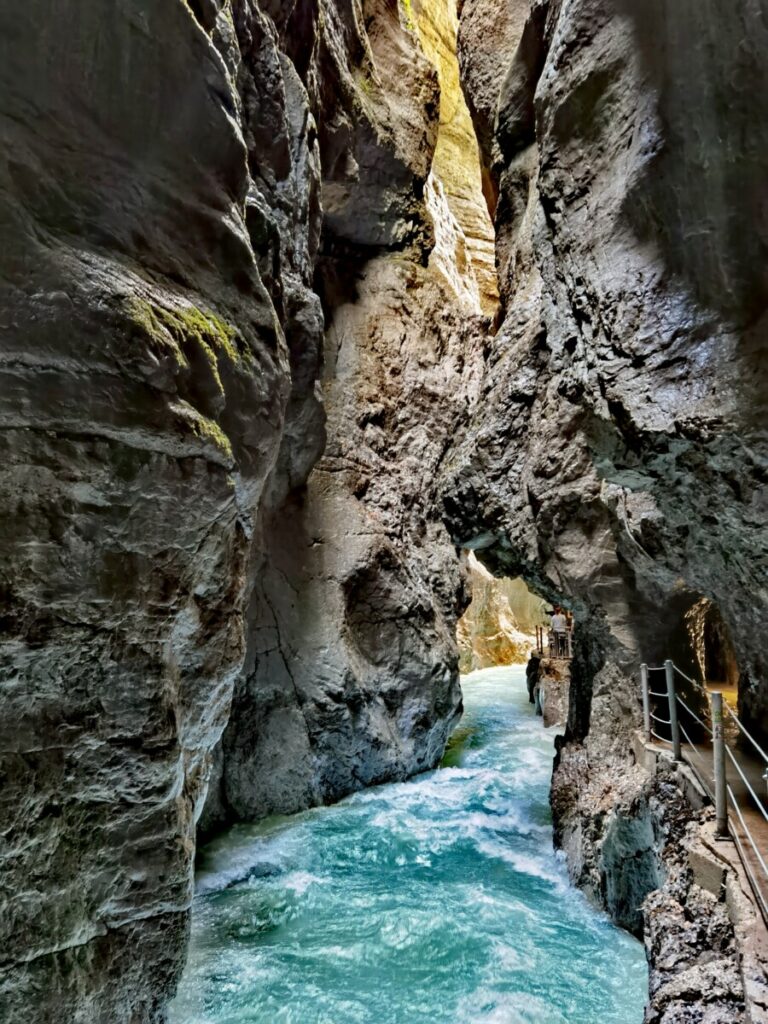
[719, 790]
[693, 714]
[700, 775]
[680, 672]
[745, 861]
[754, 742]
[746, 782]
[748, 834]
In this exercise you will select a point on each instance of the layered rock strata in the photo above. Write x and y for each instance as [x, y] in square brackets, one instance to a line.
[146, 378]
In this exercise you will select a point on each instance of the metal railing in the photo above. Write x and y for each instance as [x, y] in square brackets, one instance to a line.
[715, 783]
[558, 645]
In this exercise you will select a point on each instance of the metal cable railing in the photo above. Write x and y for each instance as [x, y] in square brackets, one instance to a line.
[749, 736]
[746, 782]
[554, 644]
[756, 888]
[713, 781]
[700, 766]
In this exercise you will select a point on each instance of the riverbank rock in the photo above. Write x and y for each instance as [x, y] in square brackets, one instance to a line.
[551, 689]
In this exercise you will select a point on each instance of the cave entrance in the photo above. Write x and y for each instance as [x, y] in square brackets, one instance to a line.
[713, 649]
[501, 622]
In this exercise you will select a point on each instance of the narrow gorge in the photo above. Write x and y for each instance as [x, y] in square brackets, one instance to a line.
[315, 317]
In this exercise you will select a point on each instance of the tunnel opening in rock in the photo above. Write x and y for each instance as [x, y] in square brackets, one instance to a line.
[499, 626]
[713, 649]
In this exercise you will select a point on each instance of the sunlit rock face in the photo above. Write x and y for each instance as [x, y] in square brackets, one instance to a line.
[499, 626]
[464, 238]
[351, 674]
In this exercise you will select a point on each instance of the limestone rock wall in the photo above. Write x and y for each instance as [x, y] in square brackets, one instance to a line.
[617, 455]
[351, 674]
[618, 450]
[146, 377]
[217, 216]
[212, 213]
[467, 253]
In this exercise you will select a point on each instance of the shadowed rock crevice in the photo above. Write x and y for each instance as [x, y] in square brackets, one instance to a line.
[351, 674]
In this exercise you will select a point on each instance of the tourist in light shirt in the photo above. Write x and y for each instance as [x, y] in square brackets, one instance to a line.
[559, 622]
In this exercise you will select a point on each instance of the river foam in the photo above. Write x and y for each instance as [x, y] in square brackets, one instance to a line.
[434, 901]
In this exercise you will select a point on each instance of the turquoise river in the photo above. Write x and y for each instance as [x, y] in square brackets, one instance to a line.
[434, 901]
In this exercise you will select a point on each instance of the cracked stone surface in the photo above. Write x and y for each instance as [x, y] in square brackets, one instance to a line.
[617, 454]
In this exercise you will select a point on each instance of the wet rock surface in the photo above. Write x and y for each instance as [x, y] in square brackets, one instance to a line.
[631, 840]
[617, 452]
[219, 218]
[145, 380]
[351, 673]
[616, 458]
[550, 686]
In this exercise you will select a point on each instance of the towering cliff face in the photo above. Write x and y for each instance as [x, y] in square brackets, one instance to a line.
[619, 449]
[214, 212]
[145, 384]
[211, 210]
[351, 674]
[617, 457]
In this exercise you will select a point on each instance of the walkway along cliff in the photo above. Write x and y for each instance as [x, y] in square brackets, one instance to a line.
[263, 381]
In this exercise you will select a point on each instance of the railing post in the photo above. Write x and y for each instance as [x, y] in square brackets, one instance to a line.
[669, 670]
[718, 754]
[646, 701]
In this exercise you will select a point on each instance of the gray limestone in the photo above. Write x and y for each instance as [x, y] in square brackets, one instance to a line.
[247, 427]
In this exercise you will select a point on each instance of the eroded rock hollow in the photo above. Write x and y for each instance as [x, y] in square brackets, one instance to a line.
[298, 302]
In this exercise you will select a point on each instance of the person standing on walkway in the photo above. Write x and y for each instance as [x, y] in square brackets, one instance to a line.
[559, 631]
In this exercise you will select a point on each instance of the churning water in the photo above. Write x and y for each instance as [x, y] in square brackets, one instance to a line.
[435, 901]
